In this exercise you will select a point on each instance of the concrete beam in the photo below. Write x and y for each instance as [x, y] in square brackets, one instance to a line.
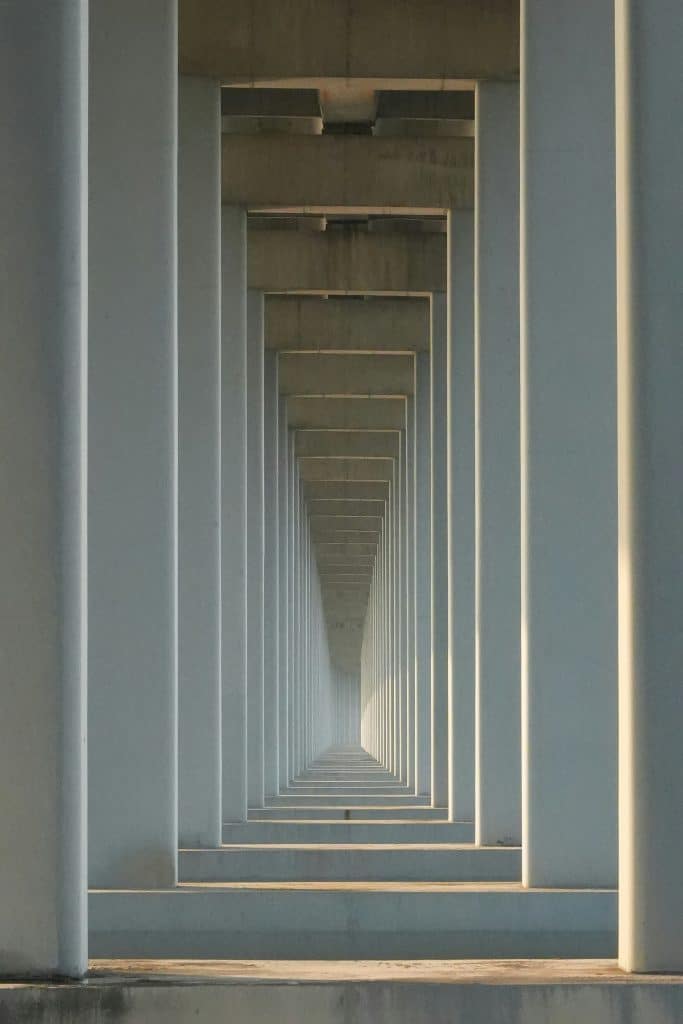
[369, 444]
[261, 42]
[349, 523]
[352, 550]
[324, 373]
[374, 324]
[330, 489]
[346, 469]
[346, 261]
[344, 537]
[309, 413]
[327, 173]
[345, 506]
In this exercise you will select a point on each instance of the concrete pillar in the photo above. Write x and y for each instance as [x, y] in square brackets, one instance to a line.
[291, 603]
[255, 549]
[234, 511]
[498, 684]
[568, 444]
[283, 592]
[43, 616]
[423, 576]
[132, 467]
[461, 532]
[410, 589]
[271, 640]
[650, 311]
[199, 468]
[439, 552]
[402, 594]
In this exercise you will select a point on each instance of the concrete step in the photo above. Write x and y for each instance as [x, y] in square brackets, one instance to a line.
[324, 812]
[353, 921]
[385, 800]
[395, 992]
[278, 831]
[352, 863]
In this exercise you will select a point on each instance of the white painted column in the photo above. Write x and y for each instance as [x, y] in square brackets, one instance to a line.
[234, 511]
[133, 419]
[271, 639]
[650, 312]
[498, 682]
[423, 576]
[461, 532]
[283, 593]
[255, 549]
[43, 361]
[568, 444]
[199, 463]
[439, 552]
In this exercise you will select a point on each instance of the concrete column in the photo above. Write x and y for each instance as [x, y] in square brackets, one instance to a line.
[423, 576]
[650, 311]
[461, 533]
[234, 511]
[255, 549]
[271, 577]
[199, 466]
[402, 593]
[410, 589]
[291, 603]
[568, 444]
[43, 269]
[283, 593]
[439, 552]
[133, 417]
[498, 684]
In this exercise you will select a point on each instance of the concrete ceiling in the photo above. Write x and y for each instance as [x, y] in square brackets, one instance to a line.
[348, 136]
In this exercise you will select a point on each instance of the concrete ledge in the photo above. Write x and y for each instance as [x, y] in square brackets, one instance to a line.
[349, 832]
[353, 921]
[441, 992]
[319, 862]
[289, 812]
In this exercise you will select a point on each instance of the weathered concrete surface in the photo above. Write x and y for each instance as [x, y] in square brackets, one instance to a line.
[418, 811]
[327, 490]
[379, 41]
[325, 373]
[374, 324]
[368, 444]
[346, 261]
[345, 506]
[308, 413]
[349, 831]
[335, 172]
[357, 862]
[347, 469]
[371, 992]
[345, 919]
